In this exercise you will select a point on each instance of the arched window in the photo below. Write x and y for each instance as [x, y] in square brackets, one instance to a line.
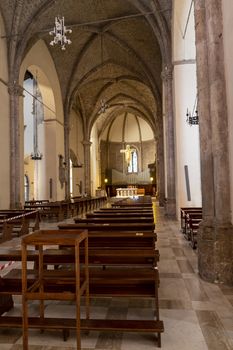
[71, 178]
[133, 162]
[26, 188]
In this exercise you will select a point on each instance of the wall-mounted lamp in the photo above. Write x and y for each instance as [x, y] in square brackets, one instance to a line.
[192, 119]
[36, 155]
[105, 180]
[151, 179]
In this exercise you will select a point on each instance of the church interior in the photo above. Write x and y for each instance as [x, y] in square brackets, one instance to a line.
[116, 141]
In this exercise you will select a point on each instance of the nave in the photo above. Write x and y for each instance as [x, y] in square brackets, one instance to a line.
[197, 315]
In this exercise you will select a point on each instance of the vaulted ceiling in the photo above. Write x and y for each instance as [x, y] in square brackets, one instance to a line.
[118, 50]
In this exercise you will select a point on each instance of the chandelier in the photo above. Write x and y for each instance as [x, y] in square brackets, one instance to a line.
[59, 33]
[103, 106]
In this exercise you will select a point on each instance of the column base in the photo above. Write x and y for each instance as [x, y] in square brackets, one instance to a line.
[215, 252]
[170, 208]
[161, 199]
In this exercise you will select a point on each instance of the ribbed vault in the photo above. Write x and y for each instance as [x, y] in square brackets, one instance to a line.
[136, 46]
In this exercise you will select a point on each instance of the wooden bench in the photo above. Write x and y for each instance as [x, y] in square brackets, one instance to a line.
[193, 220]
[129, 272]
[36, 201]
[81, 205]
[108, 214]
[125, 210]
[130, 206]
[105, 283]
[183, 215]
[136, 227]
[60, 210]
[144, 201]
[18, 223]
[117, 219]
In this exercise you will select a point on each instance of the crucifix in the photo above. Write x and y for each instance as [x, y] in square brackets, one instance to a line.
[127, 151]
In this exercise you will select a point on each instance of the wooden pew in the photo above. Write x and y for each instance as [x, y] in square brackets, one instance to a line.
[125, 210]
[130, 272]
[107, 214]
[60, 210]
[183, 218]
[36, 201]
[129, 206]
[18, 223]
[117, 219]
[81, 205]
[136, 227]
[193, 220]
[144, 201]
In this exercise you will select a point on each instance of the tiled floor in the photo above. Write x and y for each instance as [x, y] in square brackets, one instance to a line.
[197, 315]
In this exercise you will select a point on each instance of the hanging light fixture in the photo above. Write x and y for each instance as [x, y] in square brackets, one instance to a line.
[36, 154]
[192, 119]
[59, 33]
[103, 104]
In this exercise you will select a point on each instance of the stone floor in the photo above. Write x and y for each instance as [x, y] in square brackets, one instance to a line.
[197, 315]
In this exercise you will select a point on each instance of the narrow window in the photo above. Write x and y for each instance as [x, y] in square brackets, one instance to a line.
[71, 178]
[26, 188]
[133, 163]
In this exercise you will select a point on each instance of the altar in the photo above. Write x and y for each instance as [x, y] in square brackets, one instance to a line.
[126, 192]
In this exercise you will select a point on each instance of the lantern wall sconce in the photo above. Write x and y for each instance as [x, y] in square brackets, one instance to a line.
[192, 119]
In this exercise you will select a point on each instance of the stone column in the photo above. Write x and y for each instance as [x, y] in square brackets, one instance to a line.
[67, 155]
[215, 242]
[15, 91]
[160, 167]
[170, 208]
[87, 167]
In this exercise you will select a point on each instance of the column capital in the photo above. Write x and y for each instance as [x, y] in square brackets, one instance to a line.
[167, 73]
[15, 89]
[87, 143]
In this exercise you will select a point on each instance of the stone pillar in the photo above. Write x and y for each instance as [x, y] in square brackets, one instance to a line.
[87, 167]
[15, 91]
[215, 238]
[160, 166]
[170, 208]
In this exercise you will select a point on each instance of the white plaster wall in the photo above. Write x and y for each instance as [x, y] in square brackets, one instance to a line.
[95, 162]
[29, 171]
[28, 118]
[41, 63]
[187, 148]
[4, 125]
[187, 137]
[183, 43]
[76, 138]
[51, 133]
[227, 10]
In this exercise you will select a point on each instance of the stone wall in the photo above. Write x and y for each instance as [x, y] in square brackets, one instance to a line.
[113, 159]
